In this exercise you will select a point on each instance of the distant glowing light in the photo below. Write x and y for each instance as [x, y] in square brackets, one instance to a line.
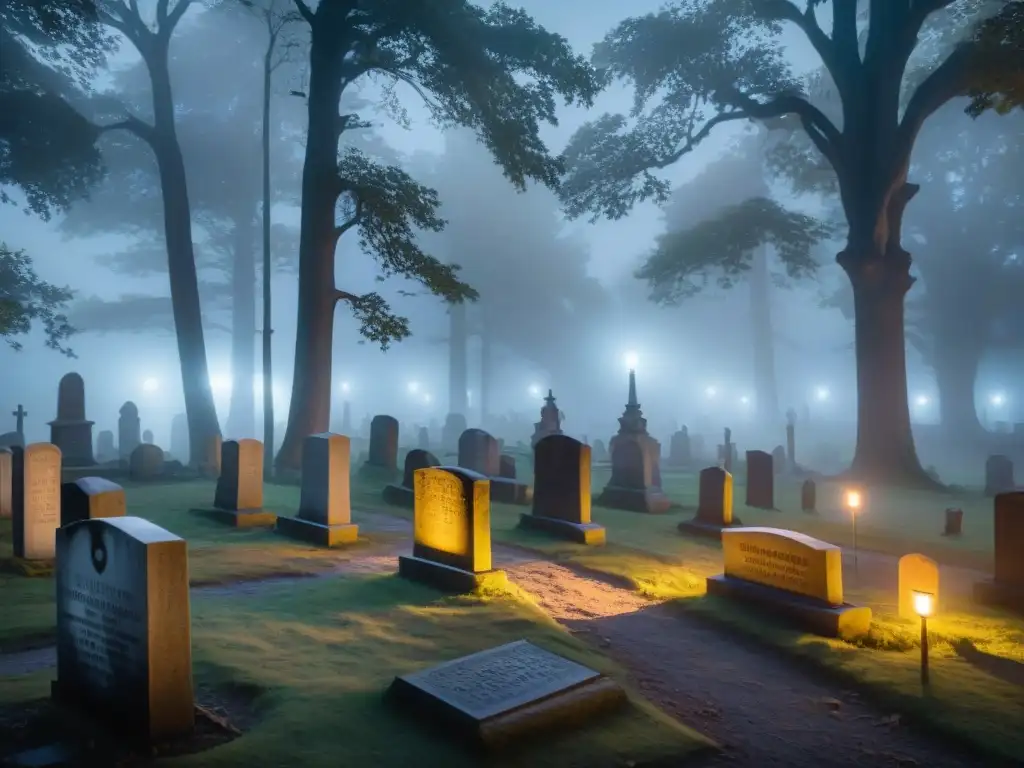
[220, 384]
[345, 387]
[427, 398]
[997, 399]
[853, 500]
[150, 385]
[631, 360]
[822, 394]
[711, 392]
[922, 400]
[534, 390]
[414, 387]
[744, 400]
[923, 604]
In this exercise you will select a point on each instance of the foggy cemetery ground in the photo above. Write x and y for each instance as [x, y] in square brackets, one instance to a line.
[282, 644]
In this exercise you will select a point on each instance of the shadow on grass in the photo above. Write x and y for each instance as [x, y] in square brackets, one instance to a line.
[1007, 670]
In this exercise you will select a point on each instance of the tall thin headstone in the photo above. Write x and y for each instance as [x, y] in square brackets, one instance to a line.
[714, 505]
[791, 440]
[129, 430]
[71, 431]
[124, 649]
[760, 480]
[35, 500]
[147, 436]
[238, 498]
[561, 495]
[325, 505]
[1006, 588]
[6, 478]
[383, 443]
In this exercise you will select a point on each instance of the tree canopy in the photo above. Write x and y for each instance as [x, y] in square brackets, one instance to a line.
[25, 300]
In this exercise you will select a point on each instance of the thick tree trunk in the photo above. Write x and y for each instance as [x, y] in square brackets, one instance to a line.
[181, 265]
[310, 408]
[956, 372]
[767, 395]
[885, 452]
[458, 370]
[241, 422]
[268, 330]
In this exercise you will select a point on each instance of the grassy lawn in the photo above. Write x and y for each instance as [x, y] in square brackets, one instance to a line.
[321, 653]
[217, 554]
[964, 700]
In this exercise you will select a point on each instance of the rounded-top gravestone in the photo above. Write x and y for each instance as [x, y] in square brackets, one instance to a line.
[480, 452]
[383, 442]
[70, 431]
[71, 398]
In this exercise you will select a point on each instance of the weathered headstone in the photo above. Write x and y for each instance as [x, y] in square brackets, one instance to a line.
[238, 499]
[89, 498]
[679, 449]
[451, 531]
[383, 443]
[760, 480]
[124, 650]
[6, 478]
[404, 495]
[714, 505]
[779, 459]
[147, 436]
[561, 495]
[105, 448]
[497, 697]
[789, 575]
[146, 462]
[507, 466]
[70, 431]
[917, 573]
[809, 496]
[325, 504]
[1006, 588]
[423, 439]
[179, 438]
[954, 522]
[129, 428]
[479, 452]
[999, 475]
[35, 500]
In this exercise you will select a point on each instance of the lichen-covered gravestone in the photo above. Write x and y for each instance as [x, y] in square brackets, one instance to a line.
[238, 498]
[124, 651]
[146, 462]
[451, 531]
[714, 505]
[35, 500]
[70, 431]
[404, 495]
[383, 443]
[90, 498]
[561, 493]
[760, 480]
[325, 507]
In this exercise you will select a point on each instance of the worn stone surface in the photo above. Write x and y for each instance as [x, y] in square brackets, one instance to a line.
[715, 500]
[383, 442]
[240, 485]
[325, 502]
[35, 500]
[89, 498]
[124, 646]
[507, 467]
[70, 431]
[760, 480]
[479, 452]
[785, 560]
[917, 573]
[146, 462]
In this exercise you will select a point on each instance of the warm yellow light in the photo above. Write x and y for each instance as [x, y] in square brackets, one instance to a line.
[923, 604]
[853, 500]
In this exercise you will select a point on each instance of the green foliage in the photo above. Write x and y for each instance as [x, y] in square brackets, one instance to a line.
[389, 208]
[48, 52]
[25, 299]
[683, 262]
[999, 37]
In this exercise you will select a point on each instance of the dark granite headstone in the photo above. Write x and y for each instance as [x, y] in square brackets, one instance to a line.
[1007, 586]
[402, 495]
[561, 496]
[999, 475]
[238, 498]
[325, 505]
[714, 504]
[809, 496]
[70, 431]
[89, 498]
[479, 452]
[679, 449]
[954, 522]
[383, 442]
[507, 467]
[146, 462]
[129, 430]
[627, 465]
[760, 480]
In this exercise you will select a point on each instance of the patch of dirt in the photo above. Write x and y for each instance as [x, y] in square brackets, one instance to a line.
[222, 715]
[763, 710]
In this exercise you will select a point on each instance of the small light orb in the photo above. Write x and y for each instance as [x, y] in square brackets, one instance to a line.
[853, 500]
[822, 394]
[923, 604]
[710, 392]
[632, 360]
[414, 387]
[150, 385]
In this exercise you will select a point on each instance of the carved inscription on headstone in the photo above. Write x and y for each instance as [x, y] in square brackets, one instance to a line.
[441, 521]
[36, 500]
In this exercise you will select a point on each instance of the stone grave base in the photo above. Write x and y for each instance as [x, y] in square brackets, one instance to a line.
[506, 491]
[990, 592]
[803, 612]
[239, 518]
[30, 568]
[447, 578]
[399, 496]
[317, 533]
[530, 691]
[652, 501]
[704, 529]
[581, 533]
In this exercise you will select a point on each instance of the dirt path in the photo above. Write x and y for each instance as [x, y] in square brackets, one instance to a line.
[761, 709]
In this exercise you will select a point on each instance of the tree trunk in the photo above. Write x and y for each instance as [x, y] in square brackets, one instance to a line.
[486, 371]
[310, 408]
[956, 372]
[268, 330]
[241, 413]
[458, 370]
[767, 394]
[885, 452]
[181, 265]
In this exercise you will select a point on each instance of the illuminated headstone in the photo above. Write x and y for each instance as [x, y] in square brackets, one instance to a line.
[124, 651]
[451, 531]
[917, 573]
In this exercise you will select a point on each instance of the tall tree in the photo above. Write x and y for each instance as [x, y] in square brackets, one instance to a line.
[718, 61]
[152, 43]
[719, 228]
[493, 70]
